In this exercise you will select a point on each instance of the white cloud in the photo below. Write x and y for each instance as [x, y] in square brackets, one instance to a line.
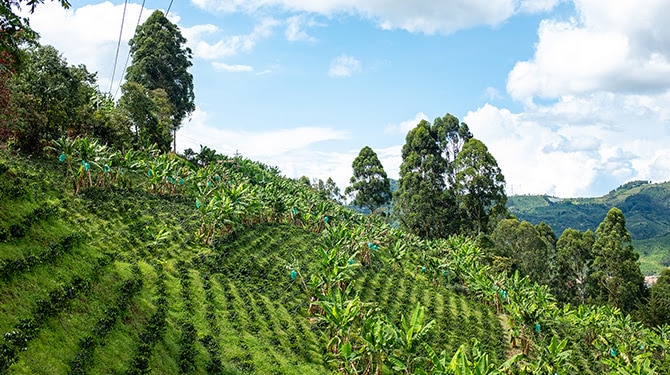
[77, 31]
[607, 75]
[226, 46]
[295, 29]
[232, 68]
[575, 147]
[616, 47]
[262, 144]
[344, 66]
[419, 16]
[407, 125]
[293, 150]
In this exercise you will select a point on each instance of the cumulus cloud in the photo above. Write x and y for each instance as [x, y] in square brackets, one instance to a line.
[606, 72]
[78, 31]
[344, 66]
[405, 126]
[616, 47]
[561, 151]
[419, 16]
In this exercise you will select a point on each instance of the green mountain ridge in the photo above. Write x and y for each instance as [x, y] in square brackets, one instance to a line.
[645, 205]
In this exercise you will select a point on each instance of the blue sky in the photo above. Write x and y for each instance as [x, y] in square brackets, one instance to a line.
[571, 97]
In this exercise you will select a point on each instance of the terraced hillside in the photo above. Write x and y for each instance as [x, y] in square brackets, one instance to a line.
[116, 281]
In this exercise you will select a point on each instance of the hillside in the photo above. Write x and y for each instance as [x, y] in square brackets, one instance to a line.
[115, 281]
[130, 264]
[645, 205]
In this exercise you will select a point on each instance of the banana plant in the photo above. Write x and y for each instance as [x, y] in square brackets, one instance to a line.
[410, 337]
[377, 337]
[551, 359]
[64, 147]
[87, 155]
[340, 312]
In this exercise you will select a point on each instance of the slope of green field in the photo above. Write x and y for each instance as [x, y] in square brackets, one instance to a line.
[115, 281]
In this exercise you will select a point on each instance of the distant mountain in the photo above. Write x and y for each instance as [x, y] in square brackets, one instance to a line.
[645, 205]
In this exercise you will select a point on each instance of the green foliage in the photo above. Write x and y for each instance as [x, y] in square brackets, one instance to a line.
[479, 187]
[148, 114]
[422, 202]
[449, 182]
[528, 250]
[574, 259]
[657, 309]
[160, 61]
[329, 190]
[616, 277]
[15, 31]
[644, 205]
[365, 298]
[369, 184]
[50, 98]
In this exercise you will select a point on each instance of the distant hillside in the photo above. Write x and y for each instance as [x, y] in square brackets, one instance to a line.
[645, 205]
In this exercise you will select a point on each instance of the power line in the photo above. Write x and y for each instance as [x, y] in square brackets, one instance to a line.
[118, 45]
[168, 9]
[139, 18]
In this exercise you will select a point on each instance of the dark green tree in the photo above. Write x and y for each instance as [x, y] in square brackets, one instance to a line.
[616, 278]
[657, 311]
[369, 184]
[547, 233]
[449, 182]
[422, 202]
[50, 99]
[304, 180]
[479, 187]
[519, 245]
[329, 190]
[450, 135]
[573, 265]
[148, 115]
[161, 61]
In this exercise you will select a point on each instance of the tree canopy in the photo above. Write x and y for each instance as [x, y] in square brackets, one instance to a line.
[449, 182]
[658, 305]
[616, 277]
[160, 60]
[573, 265]
[369, 184]
[422, 202]
[479, 186]
[525, 249]
[49, 98]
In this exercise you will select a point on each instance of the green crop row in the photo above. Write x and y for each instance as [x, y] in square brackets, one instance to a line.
[154, 330]
[12, 267]
[27, 328]
[20, 229]
[84, 357]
